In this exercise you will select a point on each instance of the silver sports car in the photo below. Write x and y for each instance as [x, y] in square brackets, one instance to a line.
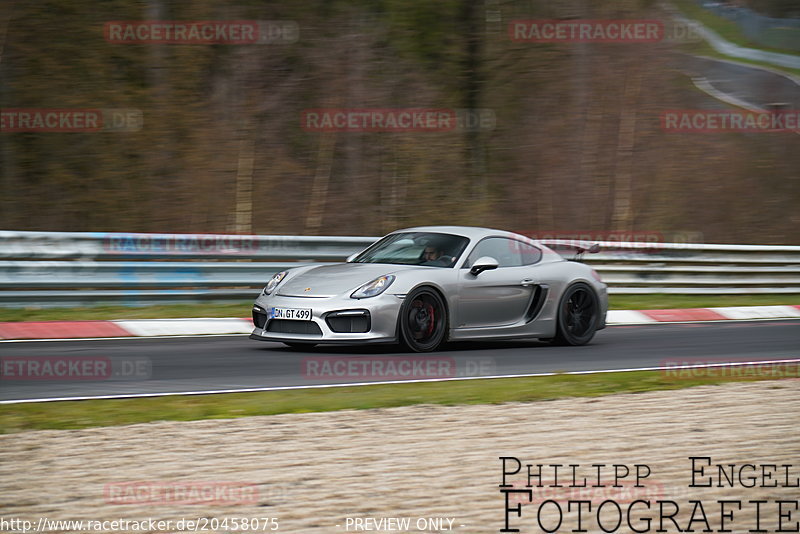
[424, 286]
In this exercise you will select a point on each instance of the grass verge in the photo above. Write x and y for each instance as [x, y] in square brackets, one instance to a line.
[727, 29]
[242, 309]
[94, 413]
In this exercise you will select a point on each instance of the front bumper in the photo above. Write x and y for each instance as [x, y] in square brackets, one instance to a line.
[381, 313]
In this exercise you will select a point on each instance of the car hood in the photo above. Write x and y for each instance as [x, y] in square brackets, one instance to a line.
[332, 280]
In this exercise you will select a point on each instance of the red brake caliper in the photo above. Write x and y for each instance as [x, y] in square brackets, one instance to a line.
[432, 320]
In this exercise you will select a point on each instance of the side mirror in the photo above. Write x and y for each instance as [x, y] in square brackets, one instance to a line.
[484, 263]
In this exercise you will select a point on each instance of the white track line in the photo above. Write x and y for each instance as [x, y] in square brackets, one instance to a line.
[185, 327]
[389, 382]
[704, 85]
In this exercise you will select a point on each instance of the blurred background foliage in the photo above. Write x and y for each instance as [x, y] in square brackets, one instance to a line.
[577, 144]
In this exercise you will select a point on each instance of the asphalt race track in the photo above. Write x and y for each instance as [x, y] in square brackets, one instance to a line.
[755, 86]
[161, 365]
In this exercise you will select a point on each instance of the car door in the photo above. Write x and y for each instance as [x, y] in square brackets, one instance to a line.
[501, 296]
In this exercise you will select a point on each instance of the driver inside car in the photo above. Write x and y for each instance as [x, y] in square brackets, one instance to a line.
[432, 255]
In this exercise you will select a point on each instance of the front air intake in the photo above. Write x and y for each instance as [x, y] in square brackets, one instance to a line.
[286, 326]
[259, 317]
[349, 321]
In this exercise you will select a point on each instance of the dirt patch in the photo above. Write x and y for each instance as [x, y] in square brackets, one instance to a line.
[313, 471]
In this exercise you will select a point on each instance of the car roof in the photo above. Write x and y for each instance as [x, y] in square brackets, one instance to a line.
[472, 232]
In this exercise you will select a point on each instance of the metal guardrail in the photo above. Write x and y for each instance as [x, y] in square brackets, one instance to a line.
[77, 269]
[107, 245]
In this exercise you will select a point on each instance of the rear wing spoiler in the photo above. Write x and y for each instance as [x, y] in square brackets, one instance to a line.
[580, 247]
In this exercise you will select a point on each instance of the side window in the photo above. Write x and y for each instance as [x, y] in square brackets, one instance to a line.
[528, 253]
[507, 252]
[502, 249]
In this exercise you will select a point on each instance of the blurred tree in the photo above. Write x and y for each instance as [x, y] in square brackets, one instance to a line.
[577, 143]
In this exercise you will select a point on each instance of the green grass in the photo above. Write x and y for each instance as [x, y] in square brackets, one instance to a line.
[664, 301]
[727, 29]
[93, 413]
[242, 309]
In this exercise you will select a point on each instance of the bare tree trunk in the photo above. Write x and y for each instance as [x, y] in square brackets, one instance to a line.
[471, 13]
[4, 22]
[622, 215]
[243, 82]
[159, 192]
[545, 215]
[7, 173]
[244, 183]
[591, 142]
[354, 66]
[319, 189]
[394, 190]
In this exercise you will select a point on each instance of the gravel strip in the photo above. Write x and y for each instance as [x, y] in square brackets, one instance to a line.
[313, 471]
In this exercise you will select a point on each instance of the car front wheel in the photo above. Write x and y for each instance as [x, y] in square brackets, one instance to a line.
[423, 320]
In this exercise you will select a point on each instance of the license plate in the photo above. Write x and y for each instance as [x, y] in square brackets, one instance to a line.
[294, 314]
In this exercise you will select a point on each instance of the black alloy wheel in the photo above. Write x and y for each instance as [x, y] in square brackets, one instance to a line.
[578, 314]
[423, 320]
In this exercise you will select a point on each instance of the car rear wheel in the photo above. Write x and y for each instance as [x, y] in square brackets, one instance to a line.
[578, 315]
[423, 320]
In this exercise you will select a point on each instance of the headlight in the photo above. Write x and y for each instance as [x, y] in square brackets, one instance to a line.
[273, 282]
[374, 288]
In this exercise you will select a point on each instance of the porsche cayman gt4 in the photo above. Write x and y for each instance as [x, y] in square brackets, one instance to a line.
[421, 287]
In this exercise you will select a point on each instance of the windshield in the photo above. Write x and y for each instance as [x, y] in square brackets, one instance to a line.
[416, 248]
